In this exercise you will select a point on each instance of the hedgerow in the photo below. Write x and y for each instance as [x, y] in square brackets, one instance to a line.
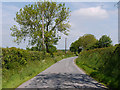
[103, 64]
[20, 65]
[15, 57]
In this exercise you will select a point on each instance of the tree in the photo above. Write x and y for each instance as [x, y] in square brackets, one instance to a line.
[93, 46]
[105, 41]
[74, 47]
[52, 49]
[29, 20]
[85, 42]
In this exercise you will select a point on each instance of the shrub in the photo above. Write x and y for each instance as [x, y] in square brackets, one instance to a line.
[15, 57]
[21, 65]
[52, 49]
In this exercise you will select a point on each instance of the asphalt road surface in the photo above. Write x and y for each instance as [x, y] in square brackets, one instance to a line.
[63, 74]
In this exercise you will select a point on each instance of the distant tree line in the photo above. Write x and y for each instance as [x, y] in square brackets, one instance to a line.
[89, 41]
[51, 49]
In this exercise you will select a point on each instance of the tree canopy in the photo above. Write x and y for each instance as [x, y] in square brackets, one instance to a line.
[29, 19]
[88, 41]
[105, 41]
[84, 42]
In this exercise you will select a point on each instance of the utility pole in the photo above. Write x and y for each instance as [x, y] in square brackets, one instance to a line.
[65, 44]
[43, 48]
[118, 6]
[118, 22]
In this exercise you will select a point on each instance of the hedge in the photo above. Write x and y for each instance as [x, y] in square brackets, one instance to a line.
[103, 64]
[20, 65]
[15, 57]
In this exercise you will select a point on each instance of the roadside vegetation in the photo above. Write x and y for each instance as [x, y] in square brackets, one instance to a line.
[41, 25]
[0, 68]
[88, 42]
[99, 59]
[103, 64]
[20, 65]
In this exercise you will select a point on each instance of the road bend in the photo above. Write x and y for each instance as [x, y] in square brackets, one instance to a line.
[63, 74]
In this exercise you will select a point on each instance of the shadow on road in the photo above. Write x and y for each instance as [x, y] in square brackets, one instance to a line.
[64, 81]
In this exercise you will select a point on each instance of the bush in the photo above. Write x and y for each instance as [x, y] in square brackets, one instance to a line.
[14, 56]
[102, 64]
[52, 49]
[21, 65]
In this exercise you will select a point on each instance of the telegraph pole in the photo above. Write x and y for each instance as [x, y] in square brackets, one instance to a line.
[65, 44]
[118, 6]
[43, 48]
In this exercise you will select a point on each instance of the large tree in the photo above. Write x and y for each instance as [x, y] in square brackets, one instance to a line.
[29, 19]
[85, 42]
[105, 41]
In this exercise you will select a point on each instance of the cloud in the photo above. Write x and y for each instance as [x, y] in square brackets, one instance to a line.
[84, 19]
[94, 12]
[93, 20]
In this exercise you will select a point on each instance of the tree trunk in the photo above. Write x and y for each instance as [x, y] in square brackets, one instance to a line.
[47, 48]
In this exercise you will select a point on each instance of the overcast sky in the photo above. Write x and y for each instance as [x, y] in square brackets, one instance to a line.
[86, 18]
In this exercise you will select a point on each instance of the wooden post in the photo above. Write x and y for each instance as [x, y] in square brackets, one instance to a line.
[118, 6]
[65, 44]
[43, 48]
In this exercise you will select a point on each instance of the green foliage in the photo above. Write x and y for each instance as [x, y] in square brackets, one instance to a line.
[34, 49]
[29, 19]
[21, 65]
[13, 57]
[0, 54]
[74, 47]
[85, 42]
[102, 64]
[0, 68]
[52, 49]
[105, 41]
[88, 42]
[95, 45]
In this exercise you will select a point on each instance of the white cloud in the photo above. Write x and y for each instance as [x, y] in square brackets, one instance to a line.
[93, 20]
[96, 12]
[90, 20]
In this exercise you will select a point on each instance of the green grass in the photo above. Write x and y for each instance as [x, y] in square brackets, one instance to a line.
[0, 78]
[12, 78]
[0, 68]
[102, 64]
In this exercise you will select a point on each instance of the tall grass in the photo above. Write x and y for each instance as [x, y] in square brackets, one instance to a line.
[0, 68]
[102, 64]
[17, 71]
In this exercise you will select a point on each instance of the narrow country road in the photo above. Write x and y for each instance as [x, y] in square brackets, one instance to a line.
[63, 74]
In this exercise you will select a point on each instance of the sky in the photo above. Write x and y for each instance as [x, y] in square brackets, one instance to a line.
[97, 18]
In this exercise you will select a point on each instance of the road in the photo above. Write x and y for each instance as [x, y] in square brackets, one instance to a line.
[63, 74]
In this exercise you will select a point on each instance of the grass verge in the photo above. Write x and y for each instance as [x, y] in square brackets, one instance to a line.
[102, 64]
[12, 78]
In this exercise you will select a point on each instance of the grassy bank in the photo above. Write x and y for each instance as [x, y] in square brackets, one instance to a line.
[102, 64]
[22, 65]
[0, 68]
